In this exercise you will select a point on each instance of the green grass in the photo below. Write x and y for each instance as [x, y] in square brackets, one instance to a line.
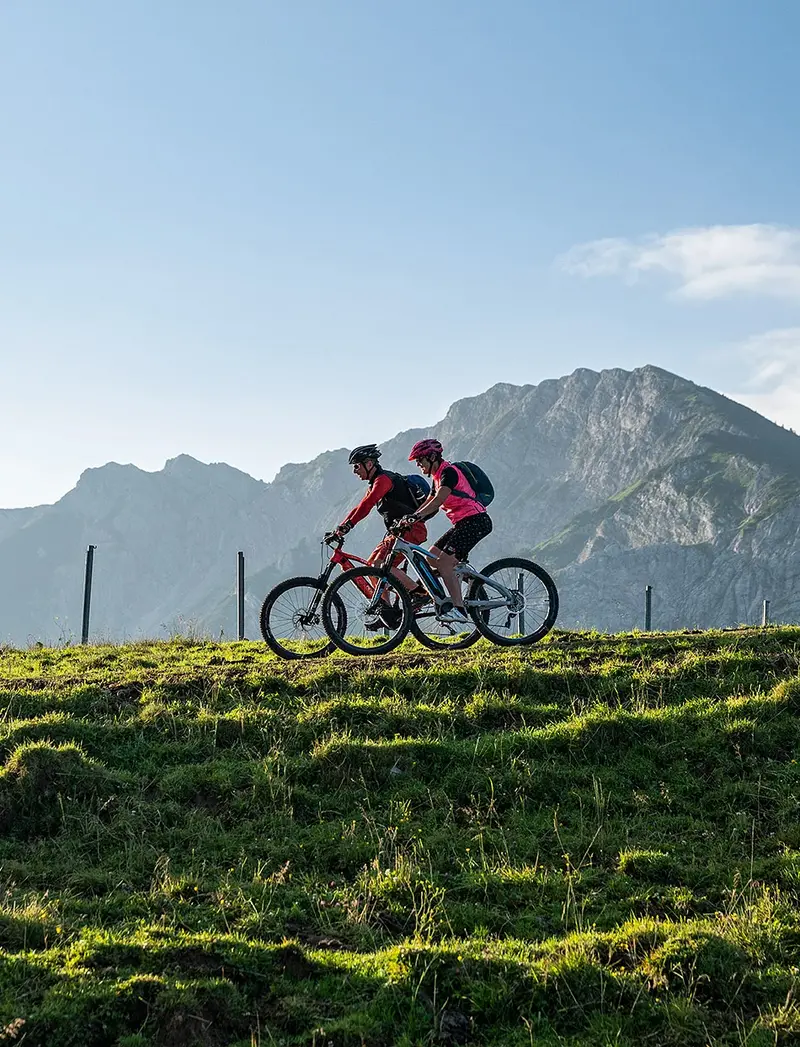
[596, 841]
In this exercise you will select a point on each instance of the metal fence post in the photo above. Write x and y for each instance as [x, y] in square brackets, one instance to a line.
[521, 620]
[87, 593]
[765, 613]
[648, 607]
[240, 592]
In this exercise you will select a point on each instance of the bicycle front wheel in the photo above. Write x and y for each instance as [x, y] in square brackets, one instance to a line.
[377, 612]
[291, 619]
[516, 604]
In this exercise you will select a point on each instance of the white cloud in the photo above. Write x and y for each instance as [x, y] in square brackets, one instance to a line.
[774, 388]
[710, 262]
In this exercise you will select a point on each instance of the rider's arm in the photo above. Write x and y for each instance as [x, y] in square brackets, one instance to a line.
[376, 491]
[439, 496]
[431, 507]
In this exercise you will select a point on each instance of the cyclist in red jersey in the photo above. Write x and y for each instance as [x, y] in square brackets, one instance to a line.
[452, 492]
[389, 493]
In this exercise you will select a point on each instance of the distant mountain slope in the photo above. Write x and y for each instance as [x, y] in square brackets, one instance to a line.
[13, 519]
[616, 479]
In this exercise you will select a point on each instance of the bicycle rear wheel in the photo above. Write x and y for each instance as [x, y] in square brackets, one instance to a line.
[524, 616]
[361, 591]
[291, 619]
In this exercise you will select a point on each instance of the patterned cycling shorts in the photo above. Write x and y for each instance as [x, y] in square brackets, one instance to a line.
[465, 535]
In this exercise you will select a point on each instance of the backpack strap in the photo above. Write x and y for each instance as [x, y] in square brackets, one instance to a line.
[459, 494]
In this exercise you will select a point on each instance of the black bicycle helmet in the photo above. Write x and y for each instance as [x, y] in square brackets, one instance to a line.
[362, 453]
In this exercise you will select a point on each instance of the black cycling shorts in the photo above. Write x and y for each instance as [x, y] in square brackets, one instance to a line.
[465, 535]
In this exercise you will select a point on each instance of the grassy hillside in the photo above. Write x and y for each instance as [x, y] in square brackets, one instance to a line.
[593, 842]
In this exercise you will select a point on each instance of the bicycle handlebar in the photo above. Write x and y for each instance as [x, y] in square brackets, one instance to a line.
[398, 530]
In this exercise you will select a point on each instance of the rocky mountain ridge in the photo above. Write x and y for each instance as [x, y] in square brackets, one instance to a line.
[612, 479]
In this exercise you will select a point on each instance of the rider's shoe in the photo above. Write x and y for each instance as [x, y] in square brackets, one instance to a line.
[455, 616]
[419, 597]
[388, 618]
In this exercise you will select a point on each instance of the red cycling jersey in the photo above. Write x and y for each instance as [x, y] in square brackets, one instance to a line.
[379, 488]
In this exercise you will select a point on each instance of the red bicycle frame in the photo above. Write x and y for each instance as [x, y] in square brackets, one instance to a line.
[347, 561]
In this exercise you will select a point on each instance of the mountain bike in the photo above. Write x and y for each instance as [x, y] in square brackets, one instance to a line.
[511, 602]
[291, 615]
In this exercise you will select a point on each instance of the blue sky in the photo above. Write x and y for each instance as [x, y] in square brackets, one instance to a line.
[254, 231]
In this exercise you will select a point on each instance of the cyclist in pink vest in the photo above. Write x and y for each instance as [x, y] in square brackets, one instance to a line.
[450, 491]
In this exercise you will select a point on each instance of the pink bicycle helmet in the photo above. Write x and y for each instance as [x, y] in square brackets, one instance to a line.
[425, 449]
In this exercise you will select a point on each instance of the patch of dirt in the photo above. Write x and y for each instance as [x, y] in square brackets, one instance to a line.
[389, 922]
[189, 1030]
[191, 959]
[127, 692]
[208, 801]
[293, 962]
[453, 1027]
[28, 683]
[786, 663]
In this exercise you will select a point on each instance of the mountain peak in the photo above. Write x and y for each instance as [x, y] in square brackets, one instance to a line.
[110, 472]
[184, 463]
[185, 467]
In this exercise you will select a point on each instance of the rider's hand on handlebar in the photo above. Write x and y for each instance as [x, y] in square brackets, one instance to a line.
[338, 533]
[403, 525]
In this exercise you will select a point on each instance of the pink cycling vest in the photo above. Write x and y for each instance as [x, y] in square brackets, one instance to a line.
[458, 508]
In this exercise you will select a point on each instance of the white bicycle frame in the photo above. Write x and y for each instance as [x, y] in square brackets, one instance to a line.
[513, 599]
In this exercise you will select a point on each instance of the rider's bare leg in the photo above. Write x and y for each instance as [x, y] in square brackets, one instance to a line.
[378, 558]
[446, 565]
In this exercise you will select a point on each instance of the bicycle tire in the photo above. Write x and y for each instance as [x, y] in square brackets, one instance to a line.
[345, 584]
[482, 619]
[268, 627]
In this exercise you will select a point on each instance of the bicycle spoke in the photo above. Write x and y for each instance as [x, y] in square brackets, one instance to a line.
[516, 602]
[371, 624]
[291, 619]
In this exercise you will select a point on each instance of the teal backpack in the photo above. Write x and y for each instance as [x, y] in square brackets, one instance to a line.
[478, 481]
